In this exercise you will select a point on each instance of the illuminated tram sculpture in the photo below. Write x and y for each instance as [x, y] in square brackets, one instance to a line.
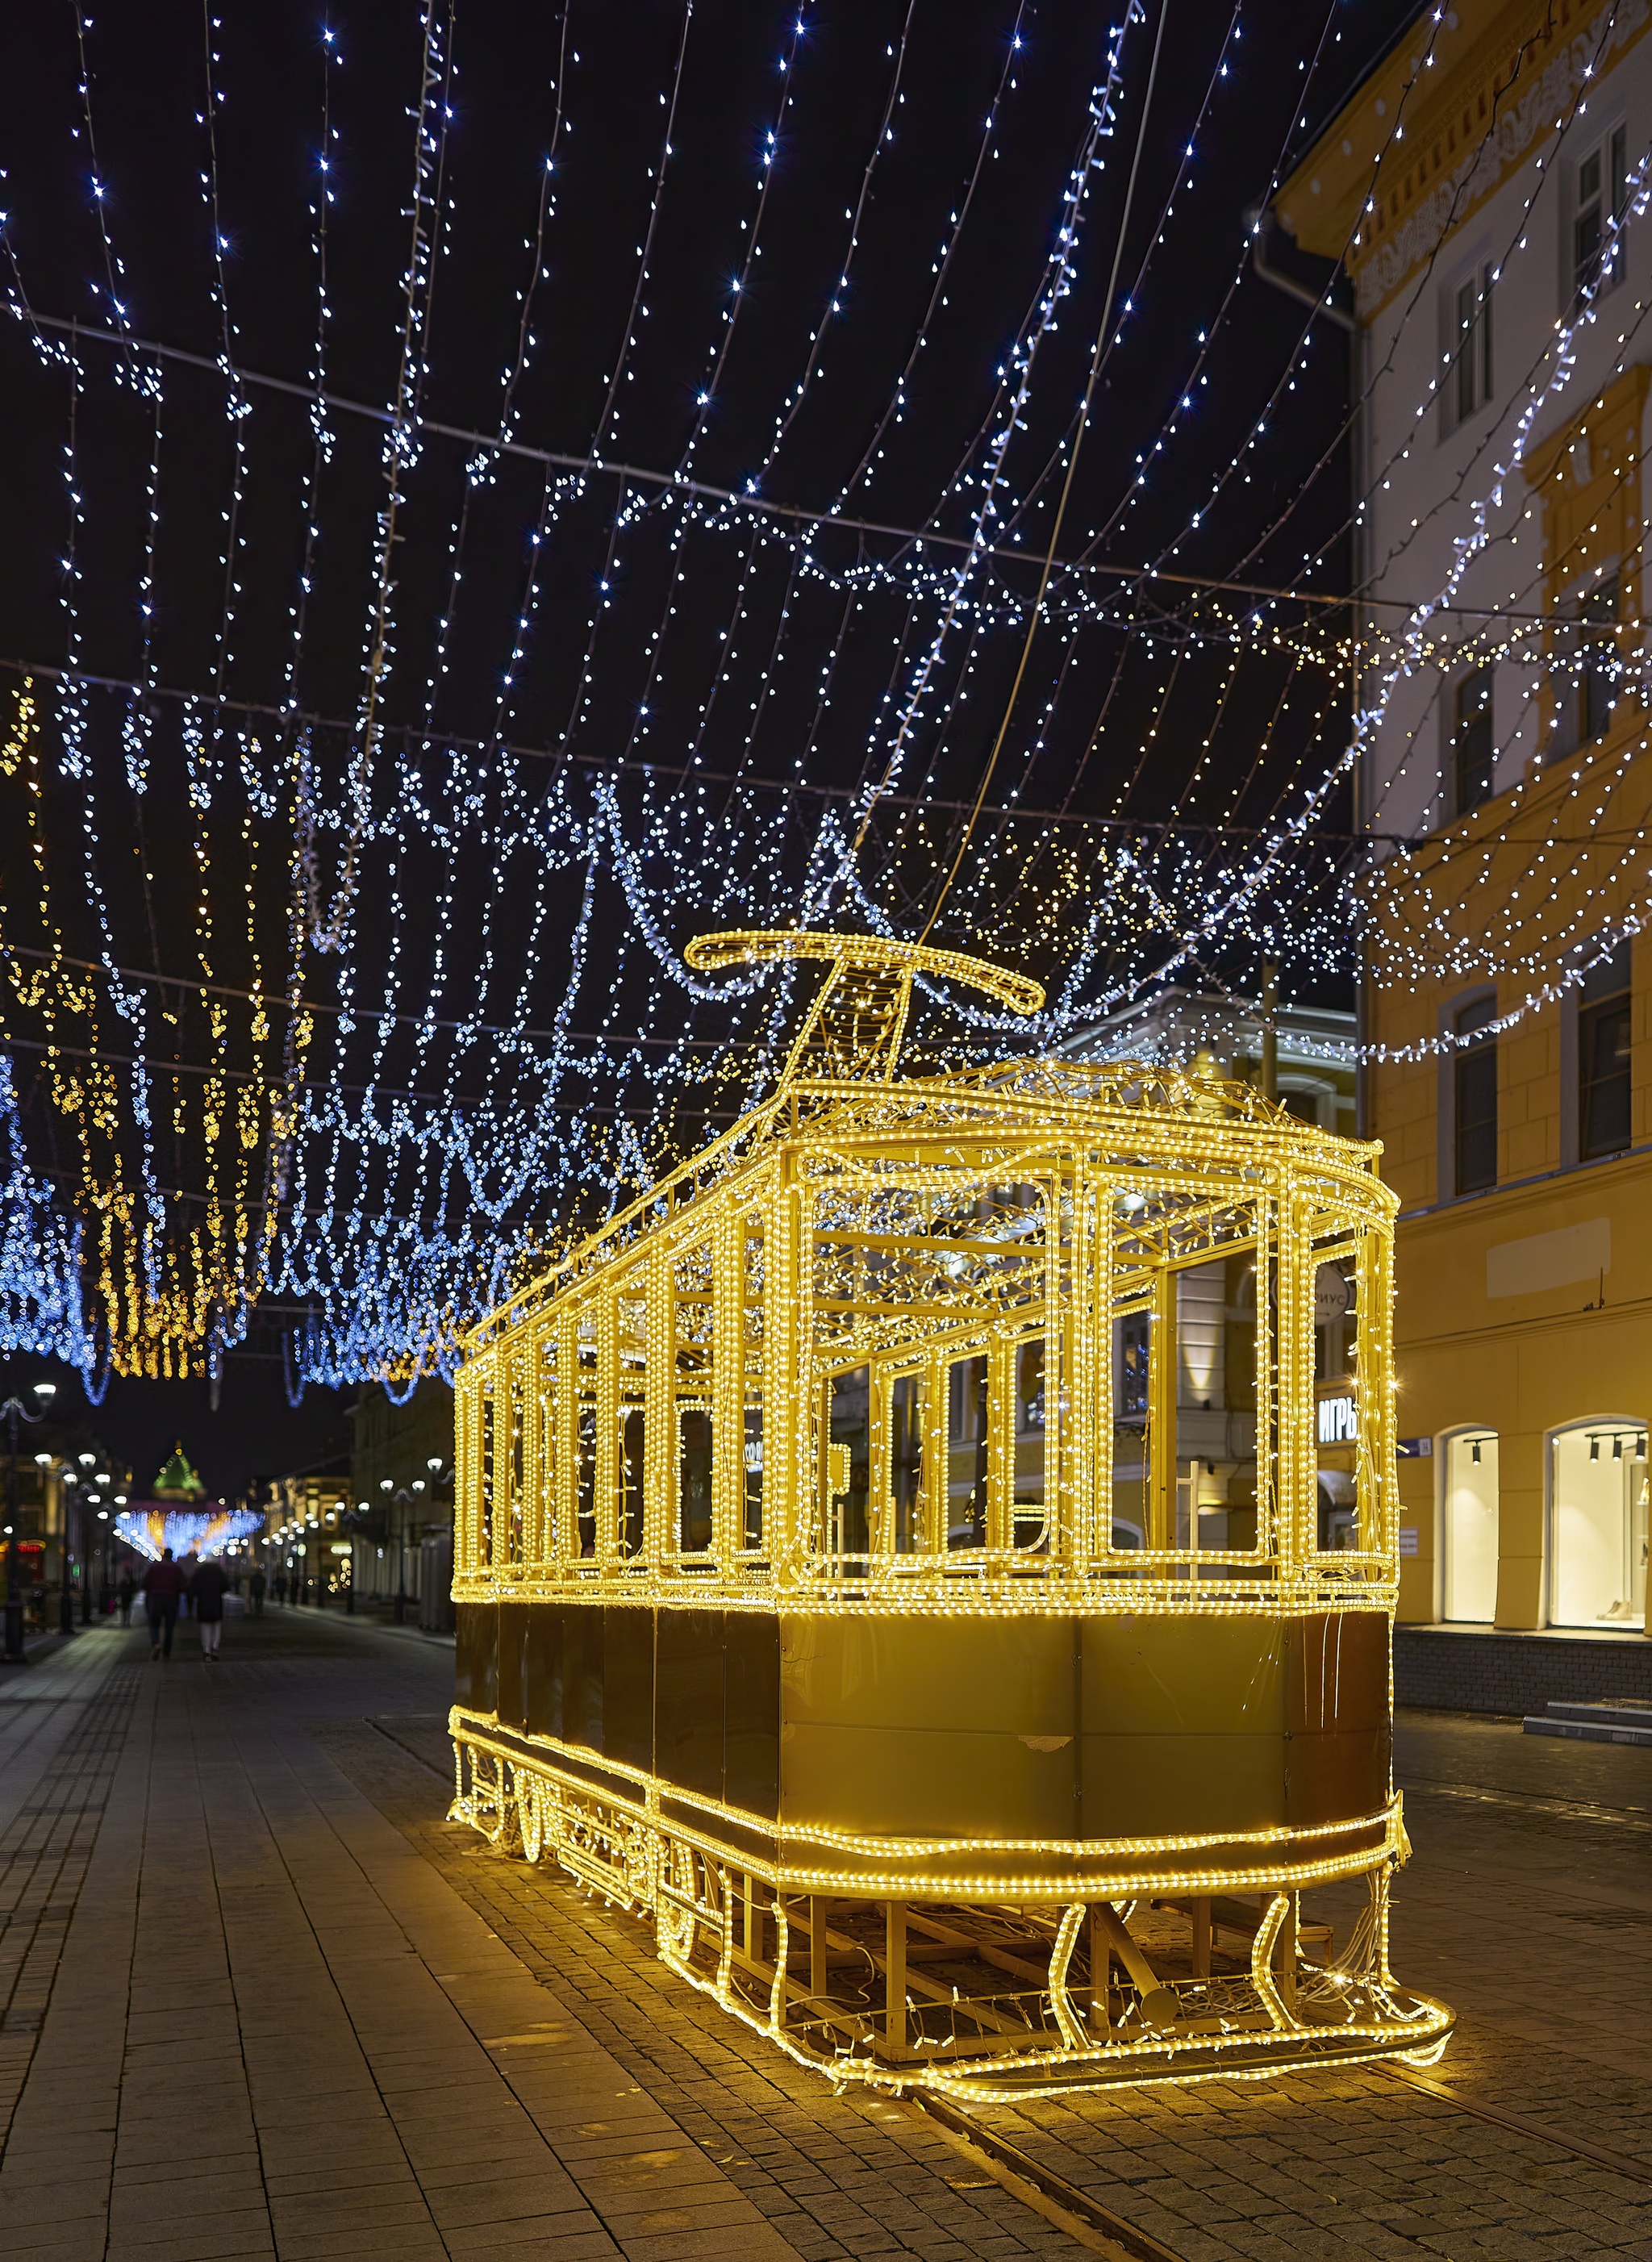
[835, 1589]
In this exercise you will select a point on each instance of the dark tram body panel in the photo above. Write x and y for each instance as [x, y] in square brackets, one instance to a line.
[881, 1725]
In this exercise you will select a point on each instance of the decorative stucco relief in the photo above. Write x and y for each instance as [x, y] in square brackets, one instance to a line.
[1485, 168]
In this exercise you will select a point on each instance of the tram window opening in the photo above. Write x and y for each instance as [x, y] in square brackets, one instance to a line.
[586, 1499]
[1133, 1342]
[1198, 1395]
[632, 1466]
[752, 1451]
[485, 1521]
[1340, 1482]
[694, 1480]
[514, 1535]
[906, 1461]
[544, 1514]
[1132, 1444]
[1029, 1443]
[849, 1481]
[1339, 1508]
[966, 1451]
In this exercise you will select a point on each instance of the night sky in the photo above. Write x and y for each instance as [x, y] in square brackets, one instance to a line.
[811, 295]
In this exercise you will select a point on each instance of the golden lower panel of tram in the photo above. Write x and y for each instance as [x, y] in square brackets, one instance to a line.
[998, 1856]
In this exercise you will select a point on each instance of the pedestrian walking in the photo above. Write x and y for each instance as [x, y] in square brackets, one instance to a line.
[255, 1590]
[163, 1585]
[281, 1587]
[188, 1567]
[209, 1585]
[127, 1590]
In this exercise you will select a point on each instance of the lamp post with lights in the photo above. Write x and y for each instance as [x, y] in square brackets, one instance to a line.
[402, 1500]
[77, 1500]
[104, 1480]
[66, 1593]
[441, 1474]
[16, 1411]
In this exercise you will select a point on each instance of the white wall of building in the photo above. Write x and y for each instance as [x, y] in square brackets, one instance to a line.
[1426, 472]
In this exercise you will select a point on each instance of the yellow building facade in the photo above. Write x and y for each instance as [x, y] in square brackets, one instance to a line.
[1482, 191]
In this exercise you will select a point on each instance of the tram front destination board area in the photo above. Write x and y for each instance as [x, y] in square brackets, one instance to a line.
[835, 1590]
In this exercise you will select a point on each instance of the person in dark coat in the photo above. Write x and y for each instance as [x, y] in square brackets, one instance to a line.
[255, 1590]
[127, 1590]
[209, 1587]
[162, 1584]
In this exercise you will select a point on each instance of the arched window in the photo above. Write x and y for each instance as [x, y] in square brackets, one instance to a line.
[1470, 1528]
[1597, 1524]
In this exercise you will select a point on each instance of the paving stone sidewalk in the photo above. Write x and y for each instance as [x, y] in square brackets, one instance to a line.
[259, 1998]
[246, 2013]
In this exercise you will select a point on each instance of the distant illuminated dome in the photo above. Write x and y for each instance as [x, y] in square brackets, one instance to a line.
[177, 1481]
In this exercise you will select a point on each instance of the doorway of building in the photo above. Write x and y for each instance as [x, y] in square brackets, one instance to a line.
[1597, 1525]
[1470, 1538]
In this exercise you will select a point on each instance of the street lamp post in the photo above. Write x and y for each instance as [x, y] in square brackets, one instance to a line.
[440, 1474]
[402, 1499]
[75, 1496]
[86, 1565]
[16, 1411]
[65, 1595]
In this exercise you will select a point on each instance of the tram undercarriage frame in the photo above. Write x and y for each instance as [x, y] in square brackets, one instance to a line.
[985, 2000]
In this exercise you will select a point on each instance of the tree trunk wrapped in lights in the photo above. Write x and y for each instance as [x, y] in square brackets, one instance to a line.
[849, 1580]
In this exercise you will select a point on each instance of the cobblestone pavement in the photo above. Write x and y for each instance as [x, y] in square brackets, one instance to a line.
[260, 1998]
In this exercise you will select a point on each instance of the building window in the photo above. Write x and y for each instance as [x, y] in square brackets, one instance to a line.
[1603, 1056]
[1597, 660]
[1597, 1525]
[1471, 345]
[1475, 1093]
[1470, 1596]
[1472, 749]
[1601, 197]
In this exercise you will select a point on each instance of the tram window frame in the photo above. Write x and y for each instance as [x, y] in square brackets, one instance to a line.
[751, 1471]
[486, 1454]
[633, 1469]
[546, 1454]
[854, 1524]
[584, 1473]
[751, 1334]
[1159, 1533]
[516, 1460]
[1130, 1348]
[1354, 1254]
[1033, 1515]
[625, 1328]
[908, 1394]
[691, 1290]
[963, 1367]
[693, 1411]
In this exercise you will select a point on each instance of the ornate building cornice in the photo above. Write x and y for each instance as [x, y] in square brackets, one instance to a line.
[1417, 151]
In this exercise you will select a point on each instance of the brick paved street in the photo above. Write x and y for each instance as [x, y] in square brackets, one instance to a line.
[260, 1998]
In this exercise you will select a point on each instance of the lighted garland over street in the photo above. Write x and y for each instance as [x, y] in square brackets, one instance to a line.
[482, 515]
